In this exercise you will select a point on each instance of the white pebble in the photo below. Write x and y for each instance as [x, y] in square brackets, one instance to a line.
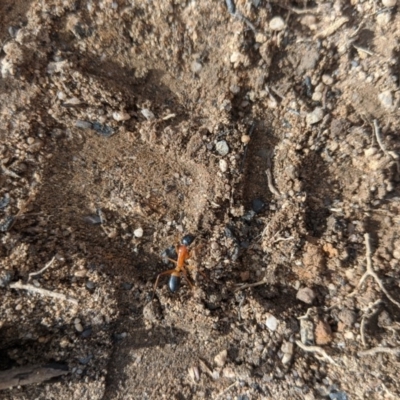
[147, 114]
[272, 323]
[277, 24]
[79, 327]
[235, 89]
[121, 116]
[138, 232]
[386, 99]
[327, 79]
[235, 57]
[317, 96]
[220, 358]
[306, 295]
[223, 165]
[315, 116]
[196, 67]
[222, 147]
[389, 3]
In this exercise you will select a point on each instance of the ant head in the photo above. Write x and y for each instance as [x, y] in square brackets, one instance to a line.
[187, 240]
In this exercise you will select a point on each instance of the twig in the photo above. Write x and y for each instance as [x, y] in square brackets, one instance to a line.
[43, 292]
[306, 315]
[48, 265]
[8, 172]
[316, 349]
[378, 136]
[379, 349]
[366, 51]
[30, 374]
[332, 28]
[282, 239]
[249, 285]
[372, 273]
[227, 389]
[271, 186]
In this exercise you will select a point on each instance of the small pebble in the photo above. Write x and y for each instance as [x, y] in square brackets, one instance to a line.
[86, 333]
[338, 396]
[121, 116]
[138, 232]
[235, 89]
[287, 350]
[257, 205]
[79, 327]
[90, 285]
[327, 79]
[147, 114]
[196, 67]
[5, 201]
[127, 286]
[386, 99]
[317, 96]
[245, 139]
[315, 116]
[306, 332]
[235, 57]
[277, 24]
[348, 317]
[223, 165]
[103, 130]
[222, 148]
[36, 283]
[5, 277]
[272, 323]
[306, 295]
[83, 124]
[220, 358]
[389, 3]
[85, 360]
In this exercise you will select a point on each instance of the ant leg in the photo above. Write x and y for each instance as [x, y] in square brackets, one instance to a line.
[184, 273]
[192, 267]
[169, 272]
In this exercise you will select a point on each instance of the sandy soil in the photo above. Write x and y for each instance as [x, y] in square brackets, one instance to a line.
[268, 130]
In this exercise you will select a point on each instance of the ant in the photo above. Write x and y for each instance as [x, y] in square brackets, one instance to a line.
[180, 268]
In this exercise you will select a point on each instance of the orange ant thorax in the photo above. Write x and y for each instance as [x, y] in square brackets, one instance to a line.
[183, 255]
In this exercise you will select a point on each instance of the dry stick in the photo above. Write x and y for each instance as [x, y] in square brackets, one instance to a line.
[379, 349]
[48, 265]
[43, 292]
[249, 285]
[372, 273]
[271, 186]
[30, 374]
[316, 349]
[378, 136]
[391, 154]
[366, 51]
[226, 389]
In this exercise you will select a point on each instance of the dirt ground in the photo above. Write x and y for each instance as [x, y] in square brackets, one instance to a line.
[268, 130]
